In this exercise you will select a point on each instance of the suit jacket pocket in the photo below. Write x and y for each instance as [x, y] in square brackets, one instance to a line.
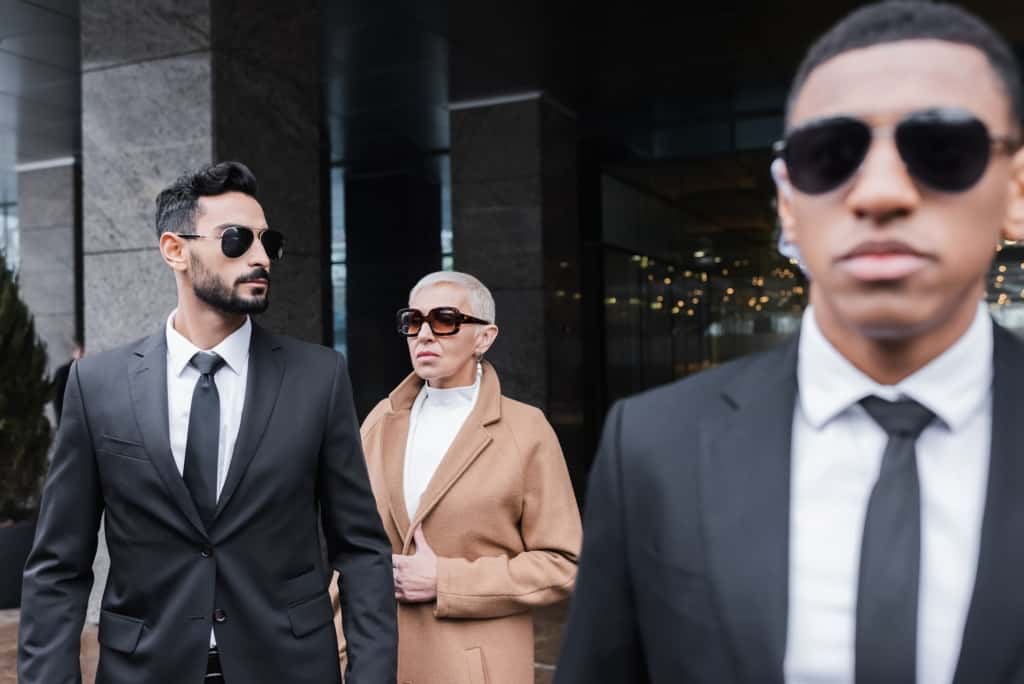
[475, 666]
[311, 615]
[302, 587]
[119, 632]
[121, 447]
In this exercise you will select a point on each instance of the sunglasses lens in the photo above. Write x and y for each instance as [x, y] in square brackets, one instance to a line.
[235, 241]
[947, 151]
[823, 155]
[444, 321]
[409, 322]
[273, 243]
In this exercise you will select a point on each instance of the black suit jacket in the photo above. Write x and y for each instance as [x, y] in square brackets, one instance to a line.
[258, 570]
[684, 572]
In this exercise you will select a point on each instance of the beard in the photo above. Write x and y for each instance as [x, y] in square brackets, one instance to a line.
[209, 288]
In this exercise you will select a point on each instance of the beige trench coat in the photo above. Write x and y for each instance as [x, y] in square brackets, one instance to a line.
[501, 516]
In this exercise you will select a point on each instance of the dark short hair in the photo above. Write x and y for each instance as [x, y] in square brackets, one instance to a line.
[178, 203]
[897, 20]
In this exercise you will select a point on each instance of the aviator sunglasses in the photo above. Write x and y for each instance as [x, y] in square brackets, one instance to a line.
[444, 320]
[945, 149]
[236, 241]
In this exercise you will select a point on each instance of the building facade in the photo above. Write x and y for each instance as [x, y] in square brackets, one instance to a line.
[604, 170]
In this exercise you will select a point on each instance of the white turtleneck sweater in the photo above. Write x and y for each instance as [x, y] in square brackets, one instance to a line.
[436, 418]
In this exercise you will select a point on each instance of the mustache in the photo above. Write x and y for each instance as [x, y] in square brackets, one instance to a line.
[258, 273]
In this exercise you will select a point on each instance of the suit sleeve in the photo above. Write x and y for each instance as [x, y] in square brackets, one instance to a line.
[491, 587]
[357, 546]
[601, 641]
[58, 575]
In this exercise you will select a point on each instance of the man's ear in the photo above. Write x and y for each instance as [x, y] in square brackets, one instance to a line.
[172, 249]
[1013, 225]
[784, 199]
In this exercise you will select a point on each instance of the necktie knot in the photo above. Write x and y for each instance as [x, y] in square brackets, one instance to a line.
[902, 418]
[207, 363]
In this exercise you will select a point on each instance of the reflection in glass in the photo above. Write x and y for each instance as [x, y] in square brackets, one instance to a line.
[664, 321]
[9, 234]
[1005, 286]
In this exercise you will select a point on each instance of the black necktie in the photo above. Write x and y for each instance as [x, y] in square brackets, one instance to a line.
[890, 551]
[200, 471]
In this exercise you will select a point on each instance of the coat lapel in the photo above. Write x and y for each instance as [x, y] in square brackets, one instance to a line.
[266, 370]
[148, 386]
[467, 446]
[745, 480]
[472, 439]
[394, 432]
[993, 642]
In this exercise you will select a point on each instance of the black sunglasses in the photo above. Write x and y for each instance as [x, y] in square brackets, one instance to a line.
[236, 241]
[444, 320]
[945, 149]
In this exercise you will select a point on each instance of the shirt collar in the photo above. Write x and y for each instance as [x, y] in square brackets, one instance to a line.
[952, 386]
[453, 395]
[234, 348]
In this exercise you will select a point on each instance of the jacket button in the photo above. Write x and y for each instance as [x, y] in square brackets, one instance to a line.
[207, 551]
[220, 616]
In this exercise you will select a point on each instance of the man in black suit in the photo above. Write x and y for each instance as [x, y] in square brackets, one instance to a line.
[848, 507]
[216, 451]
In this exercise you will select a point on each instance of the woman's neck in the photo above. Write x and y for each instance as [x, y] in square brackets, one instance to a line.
[465, 377]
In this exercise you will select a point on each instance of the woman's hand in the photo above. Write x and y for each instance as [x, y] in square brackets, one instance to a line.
[416, 575]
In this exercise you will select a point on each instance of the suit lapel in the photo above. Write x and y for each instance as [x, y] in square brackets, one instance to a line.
[993, 642]
[266, 370]
[148, 386]
[745, 481]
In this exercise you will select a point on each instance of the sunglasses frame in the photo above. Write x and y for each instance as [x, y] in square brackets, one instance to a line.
[256, 235]
[1004, 144]
[429, 318]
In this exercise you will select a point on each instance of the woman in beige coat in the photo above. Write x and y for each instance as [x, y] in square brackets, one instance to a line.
[474, 494]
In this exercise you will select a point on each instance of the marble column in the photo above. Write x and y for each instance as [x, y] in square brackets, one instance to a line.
[516, 227]
[168, 86]
[49, 268]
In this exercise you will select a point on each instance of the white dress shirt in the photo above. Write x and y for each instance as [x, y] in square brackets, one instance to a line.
[836, 457]
[230, 379]
[436, 418]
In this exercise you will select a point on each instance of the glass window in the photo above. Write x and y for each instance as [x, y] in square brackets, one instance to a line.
[1005, 291]
[9, 246]
[338, 259]
[447, 249]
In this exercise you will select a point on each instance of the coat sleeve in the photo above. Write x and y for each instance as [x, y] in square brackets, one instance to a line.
[602, 642]
[339, 629]
[357, 546]
[58, 575]
[545, 572]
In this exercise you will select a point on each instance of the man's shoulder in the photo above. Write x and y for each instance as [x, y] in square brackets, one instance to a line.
[702, 390]
[104, 361]
[306, 352]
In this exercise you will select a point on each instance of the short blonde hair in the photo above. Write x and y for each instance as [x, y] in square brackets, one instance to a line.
[480, 297]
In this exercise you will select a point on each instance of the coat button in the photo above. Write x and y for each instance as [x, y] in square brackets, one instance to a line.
[207, 551]
[220, 616]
